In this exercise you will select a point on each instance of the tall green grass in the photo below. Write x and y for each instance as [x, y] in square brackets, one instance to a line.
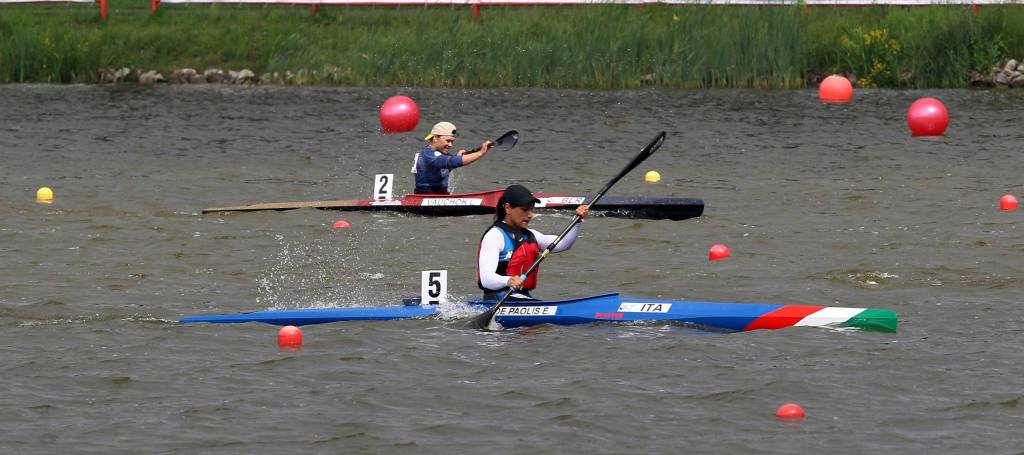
[591, 46]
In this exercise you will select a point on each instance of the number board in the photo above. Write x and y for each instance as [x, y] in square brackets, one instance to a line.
[382, 184]
[434, 287]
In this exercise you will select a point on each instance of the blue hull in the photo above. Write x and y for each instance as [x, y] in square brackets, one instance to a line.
[600, 308]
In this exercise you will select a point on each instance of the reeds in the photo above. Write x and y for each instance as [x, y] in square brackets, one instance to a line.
[586, 46]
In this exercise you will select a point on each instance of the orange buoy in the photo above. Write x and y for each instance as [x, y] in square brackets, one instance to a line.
[289, 337]
[835, 89]
[790, 411]
[341, 224]
[1007, 203]
[718, 251]
[927, 117]
[399, 114]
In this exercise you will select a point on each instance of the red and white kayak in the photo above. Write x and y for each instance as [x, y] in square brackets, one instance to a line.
[483, 203]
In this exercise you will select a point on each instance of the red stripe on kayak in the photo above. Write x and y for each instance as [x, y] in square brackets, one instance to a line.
[783, 317]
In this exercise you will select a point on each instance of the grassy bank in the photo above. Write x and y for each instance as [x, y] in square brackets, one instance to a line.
[602, 47]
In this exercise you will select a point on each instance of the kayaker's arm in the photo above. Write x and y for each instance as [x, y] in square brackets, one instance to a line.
[469, 157]
[543, 241]
[436, 160]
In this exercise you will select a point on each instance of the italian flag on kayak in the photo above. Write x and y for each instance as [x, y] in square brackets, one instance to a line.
[877, 320]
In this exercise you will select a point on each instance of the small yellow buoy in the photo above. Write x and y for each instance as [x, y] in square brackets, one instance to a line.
[652, 177]
[44, 194]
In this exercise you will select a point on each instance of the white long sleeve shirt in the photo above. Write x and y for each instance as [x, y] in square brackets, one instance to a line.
[492, 244]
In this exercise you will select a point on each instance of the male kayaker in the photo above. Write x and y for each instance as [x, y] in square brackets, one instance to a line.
[435, 163]
[509, 247]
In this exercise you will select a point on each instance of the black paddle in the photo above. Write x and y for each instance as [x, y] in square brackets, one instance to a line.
[503, 143]
[483, 320]
[506, 141]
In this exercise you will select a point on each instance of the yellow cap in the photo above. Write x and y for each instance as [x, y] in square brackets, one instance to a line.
[652, 177]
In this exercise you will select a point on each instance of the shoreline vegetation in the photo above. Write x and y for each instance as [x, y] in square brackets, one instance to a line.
[580, 47]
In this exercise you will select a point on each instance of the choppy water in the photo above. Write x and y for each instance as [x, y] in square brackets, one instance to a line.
[820, 205]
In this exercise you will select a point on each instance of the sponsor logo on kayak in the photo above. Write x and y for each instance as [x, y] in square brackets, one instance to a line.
[387, 202]
[644, 307]
[560, 200]
[527, 311]
[608, 315]
[452, 201]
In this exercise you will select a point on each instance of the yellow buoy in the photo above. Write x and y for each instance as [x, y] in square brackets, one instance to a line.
[652, 177]
[44, 194]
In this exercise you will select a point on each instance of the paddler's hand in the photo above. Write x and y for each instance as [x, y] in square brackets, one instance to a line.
[582, 211]
[515, 282]
[485, 147]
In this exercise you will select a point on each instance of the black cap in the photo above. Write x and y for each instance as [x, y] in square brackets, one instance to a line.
[518, 196]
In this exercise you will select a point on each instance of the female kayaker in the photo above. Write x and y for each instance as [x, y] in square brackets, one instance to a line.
[508, 248]
[434, 163]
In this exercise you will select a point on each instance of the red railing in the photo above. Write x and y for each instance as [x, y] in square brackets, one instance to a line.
[476, 4]
[314, 5]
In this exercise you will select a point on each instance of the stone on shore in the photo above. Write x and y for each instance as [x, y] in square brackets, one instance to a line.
[1009, 75]
[151, 77]
[245, 77]
[1017, 80]
[195, 78]
[111, 75]
[182, 76]
[214, 75]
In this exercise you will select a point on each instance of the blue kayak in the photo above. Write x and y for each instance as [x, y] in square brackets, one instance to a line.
[596, 309]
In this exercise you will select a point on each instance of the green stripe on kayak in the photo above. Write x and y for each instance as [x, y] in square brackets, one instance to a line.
[875, 320]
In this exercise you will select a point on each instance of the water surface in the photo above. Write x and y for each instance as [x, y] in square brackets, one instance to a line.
[821, 205]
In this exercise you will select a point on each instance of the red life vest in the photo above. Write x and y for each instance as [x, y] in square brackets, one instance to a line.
[518, 254]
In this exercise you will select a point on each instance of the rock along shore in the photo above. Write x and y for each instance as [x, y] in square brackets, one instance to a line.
[1008, 75]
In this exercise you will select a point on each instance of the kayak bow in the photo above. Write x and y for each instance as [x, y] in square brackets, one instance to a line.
[606, 308]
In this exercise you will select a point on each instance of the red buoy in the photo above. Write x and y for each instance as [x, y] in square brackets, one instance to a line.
[289, 337]
[927, 117]
[718, 251]
[790, 411]
[1007, 203]
[835, 89]
[341, 224]
[399, 114]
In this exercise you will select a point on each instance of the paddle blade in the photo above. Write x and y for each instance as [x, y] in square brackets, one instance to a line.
[507, 140]
[481, 321]
[503, 143]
